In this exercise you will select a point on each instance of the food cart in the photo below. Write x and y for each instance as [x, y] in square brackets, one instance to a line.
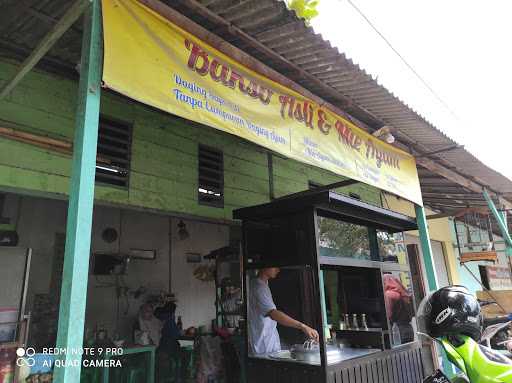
[344, 272]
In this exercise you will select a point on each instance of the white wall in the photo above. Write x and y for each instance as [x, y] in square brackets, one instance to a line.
[196, 299]
[40, 219]
[139, 231]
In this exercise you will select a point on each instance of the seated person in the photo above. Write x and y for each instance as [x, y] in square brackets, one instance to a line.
[170, 331]
[148, 327]
[169, 348]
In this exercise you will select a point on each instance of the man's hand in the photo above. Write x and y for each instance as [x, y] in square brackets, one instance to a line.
[284, 320]
[310, 333]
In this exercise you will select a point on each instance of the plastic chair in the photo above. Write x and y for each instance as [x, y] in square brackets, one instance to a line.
[135, 375]
[190, 366]
[90, 375]
[174, 370]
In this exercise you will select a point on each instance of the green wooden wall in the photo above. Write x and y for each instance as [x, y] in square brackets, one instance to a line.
[164, 153]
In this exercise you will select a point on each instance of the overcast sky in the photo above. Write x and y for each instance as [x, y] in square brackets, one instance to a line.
[462, 49]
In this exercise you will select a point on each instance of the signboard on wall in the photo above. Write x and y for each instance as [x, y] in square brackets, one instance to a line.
[150, 59]
[498, 277]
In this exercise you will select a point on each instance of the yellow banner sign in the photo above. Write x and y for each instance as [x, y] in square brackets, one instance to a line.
[149, 59]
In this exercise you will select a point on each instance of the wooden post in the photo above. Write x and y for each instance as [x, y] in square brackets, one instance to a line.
[433, 284]
[81, 198]
[502, 223]
[426, 248]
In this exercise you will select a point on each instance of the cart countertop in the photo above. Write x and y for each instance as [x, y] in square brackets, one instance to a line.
[346, 354]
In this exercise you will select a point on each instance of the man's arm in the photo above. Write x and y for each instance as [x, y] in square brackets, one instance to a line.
[285, 320]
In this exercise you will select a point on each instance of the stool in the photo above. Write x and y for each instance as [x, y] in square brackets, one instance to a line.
[135, 375]
[174, 369]
[90, 375]
[189, 350]
[117, 375]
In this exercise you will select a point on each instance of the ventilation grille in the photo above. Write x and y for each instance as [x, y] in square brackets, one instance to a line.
[114, 148]
[211, 177]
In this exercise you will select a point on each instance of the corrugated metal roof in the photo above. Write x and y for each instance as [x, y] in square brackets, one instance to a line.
[298, 53]
[360, 94]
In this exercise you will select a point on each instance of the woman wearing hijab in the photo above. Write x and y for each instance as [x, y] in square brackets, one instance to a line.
[399, 306]
[150, 325]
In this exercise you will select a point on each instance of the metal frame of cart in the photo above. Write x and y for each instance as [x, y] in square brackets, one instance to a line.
[284, 233]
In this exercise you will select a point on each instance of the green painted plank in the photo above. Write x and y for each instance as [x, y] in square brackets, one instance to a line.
[247, 168]
[238, 197]
[172, 203]
[246, 182]
[154, 167]
[143, 152]
[46, 100]
[145, 149]
[33, 180]
[161, 185]
[37, 79]
[118, 108]
[165, 135]
[20, 155]
[180, 185]
[37, 119]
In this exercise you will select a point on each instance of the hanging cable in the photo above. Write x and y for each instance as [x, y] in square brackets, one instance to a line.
[404, 60]
[485, 288]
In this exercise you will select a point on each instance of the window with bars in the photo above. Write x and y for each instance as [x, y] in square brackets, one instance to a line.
[210, 176]
[114, 149]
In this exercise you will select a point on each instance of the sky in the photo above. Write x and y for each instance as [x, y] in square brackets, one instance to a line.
[462, 49]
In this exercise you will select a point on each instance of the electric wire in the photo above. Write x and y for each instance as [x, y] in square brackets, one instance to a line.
[484, 288]
[402, 58]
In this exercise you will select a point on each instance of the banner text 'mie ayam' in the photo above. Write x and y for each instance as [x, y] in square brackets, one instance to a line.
[302, 111]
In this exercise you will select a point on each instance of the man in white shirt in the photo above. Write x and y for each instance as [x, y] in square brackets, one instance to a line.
[263, 316]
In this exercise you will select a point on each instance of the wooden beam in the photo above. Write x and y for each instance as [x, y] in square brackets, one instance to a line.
[81, 198]
[441, 215]
[479, 256]
[456, 178]
[447, 149]
[72, 14]
[501, 222]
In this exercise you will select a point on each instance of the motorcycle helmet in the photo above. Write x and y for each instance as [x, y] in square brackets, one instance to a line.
[451, 310]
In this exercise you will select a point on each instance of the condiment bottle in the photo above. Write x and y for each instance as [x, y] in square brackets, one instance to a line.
[343, 324]
[180, 324]
[355, 325]
[347, 321]
[363, 321]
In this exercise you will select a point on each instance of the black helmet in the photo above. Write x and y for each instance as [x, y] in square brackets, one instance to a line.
[450, 310]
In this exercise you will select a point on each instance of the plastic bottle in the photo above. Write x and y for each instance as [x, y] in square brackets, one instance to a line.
[343, 324]
[395, 330]
[355, 324]
[180, 324]
[364, 325]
